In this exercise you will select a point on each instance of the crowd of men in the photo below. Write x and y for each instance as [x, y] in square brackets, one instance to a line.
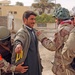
[23, 58]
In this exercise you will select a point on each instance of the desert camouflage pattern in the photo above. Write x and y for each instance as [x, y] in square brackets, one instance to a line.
[7, 67]
[59, 68]
[68, 52]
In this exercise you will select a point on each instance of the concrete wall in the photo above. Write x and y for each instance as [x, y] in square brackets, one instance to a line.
[49, 30]
[3, 21]
[17, 11]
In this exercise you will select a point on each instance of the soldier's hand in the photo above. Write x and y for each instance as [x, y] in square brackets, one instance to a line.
[38, 33]
[18, 48]
[21, 69]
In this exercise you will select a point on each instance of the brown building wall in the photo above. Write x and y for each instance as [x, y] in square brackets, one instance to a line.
[3, 20]
[17, 11]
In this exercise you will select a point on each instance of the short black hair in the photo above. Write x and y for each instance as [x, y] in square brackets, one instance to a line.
[28, 13]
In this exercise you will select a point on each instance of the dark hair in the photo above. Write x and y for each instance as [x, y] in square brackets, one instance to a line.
[28, 13]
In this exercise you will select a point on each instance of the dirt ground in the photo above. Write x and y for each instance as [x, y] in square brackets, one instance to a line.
[47, 57]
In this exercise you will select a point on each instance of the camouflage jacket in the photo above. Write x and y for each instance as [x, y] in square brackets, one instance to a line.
[68, 52]
[7, 67]
[58, 65]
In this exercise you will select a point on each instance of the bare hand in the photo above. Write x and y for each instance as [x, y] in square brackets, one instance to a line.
[21, 68]
[38, 33]
[18, 48]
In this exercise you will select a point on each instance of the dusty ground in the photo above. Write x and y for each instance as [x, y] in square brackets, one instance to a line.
[47, 57]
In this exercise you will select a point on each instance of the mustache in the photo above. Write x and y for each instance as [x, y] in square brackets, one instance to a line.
[33, 23]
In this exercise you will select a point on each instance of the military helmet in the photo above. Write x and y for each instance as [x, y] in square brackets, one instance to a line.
[4, 33]
[62, 13]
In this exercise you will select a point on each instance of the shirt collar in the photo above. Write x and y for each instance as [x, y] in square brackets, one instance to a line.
[28, 27]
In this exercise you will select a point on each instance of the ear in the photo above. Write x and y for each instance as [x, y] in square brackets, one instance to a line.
[24, 19]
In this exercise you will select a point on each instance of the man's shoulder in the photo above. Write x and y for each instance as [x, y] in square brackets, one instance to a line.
[23, 29]
[20, 30]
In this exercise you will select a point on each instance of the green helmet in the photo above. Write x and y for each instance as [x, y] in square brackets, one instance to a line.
[4, 33]
[62, 13]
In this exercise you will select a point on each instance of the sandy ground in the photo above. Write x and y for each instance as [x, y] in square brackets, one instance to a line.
[47, 57]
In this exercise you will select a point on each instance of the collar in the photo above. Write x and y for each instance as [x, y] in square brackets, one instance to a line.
[28, 27]
[66, 21]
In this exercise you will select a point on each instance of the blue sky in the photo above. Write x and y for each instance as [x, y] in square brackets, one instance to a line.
[64, 3]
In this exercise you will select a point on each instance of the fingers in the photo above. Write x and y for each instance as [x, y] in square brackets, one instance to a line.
[38, 33]
[20, 68]
[25, 67]
[24, 70]
[21, 63]
[18, 48]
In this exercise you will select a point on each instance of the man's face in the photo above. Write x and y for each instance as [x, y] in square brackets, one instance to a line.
[30, 21]
[56, 20]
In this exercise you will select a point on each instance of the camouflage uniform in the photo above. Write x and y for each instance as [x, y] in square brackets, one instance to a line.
[58, 66]
[57, 46]
[5, 47]
[7, 67]
[68, 52]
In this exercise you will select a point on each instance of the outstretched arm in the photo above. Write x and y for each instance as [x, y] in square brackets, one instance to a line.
[47, 43]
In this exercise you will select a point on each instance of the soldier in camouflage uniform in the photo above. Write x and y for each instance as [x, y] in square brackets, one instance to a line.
[64, 27]
[68, 51]
[5, 51]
